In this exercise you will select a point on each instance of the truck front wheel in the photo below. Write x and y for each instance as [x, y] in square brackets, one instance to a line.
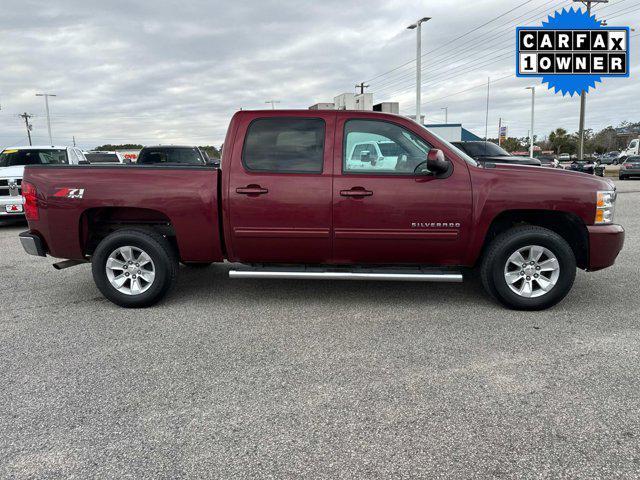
[528, 268]
[134, 268]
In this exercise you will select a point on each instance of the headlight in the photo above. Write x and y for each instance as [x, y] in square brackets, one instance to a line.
[605, 206]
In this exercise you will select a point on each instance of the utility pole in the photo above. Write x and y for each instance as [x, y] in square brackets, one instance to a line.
[26, 117]
[74, 140]
[273, 103]
[533, 107]
[46, 105]
[583, 94]
[418, 27]
[446, 114]
[362, 86]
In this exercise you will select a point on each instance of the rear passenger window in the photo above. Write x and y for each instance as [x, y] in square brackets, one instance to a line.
[286, 145]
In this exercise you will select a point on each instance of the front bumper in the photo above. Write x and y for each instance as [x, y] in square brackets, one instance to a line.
[605, 243]
[32, 244]
[11, 206]
[630, 171]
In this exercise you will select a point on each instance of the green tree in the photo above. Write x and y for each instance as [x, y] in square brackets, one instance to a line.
[511, 144]
[559, 139]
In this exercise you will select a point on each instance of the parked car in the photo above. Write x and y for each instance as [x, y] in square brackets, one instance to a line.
[101, 157]
[286, 204]
[610, 158]
[484, 152]
[564, 157]
[630, 168]
[583, 166]
[172, 155]
[547, 161]
[12, 163]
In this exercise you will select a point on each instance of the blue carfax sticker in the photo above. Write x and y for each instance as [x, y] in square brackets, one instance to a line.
[572, 51]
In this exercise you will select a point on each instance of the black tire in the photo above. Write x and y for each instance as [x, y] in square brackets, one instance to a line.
[493, 265]
[156, 246]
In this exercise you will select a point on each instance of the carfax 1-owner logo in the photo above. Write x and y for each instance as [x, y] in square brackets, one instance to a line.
[572, 51]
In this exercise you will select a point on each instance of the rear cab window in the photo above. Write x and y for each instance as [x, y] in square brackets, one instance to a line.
[284, 145]
[171, 155]
[14, 157]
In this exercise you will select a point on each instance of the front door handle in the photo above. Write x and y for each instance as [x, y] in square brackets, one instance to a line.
[356, 192]
[252, 190]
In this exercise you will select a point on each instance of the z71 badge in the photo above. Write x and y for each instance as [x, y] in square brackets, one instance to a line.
[70, 193]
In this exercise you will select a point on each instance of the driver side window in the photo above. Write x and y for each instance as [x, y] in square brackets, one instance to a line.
[375, 146]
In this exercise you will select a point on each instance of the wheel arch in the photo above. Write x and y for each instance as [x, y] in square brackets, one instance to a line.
[97, 223]
[566, 224]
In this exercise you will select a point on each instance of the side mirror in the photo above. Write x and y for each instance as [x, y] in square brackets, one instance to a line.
[436, 162]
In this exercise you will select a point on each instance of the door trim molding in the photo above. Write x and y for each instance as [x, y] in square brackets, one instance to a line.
[394, 234]
[266, 232]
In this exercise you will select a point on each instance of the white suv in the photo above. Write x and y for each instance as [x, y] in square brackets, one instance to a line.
[12, 163]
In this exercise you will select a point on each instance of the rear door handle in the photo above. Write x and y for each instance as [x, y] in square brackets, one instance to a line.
[252, 190]
[356, 192]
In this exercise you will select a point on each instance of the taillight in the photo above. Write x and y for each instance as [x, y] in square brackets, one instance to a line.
[30, 195]
[628, 165]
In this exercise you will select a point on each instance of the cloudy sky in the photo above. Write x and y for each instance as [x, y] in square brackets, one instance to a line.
[174, 72]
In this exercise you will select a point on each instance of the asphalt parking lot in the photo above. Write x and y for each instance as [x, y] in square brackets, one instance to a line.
[291, 379]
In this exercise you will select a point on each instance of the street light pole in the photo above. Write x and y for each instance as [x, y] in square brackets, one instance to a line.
[273, 103]
[46, 105]
[418, 27]
[446, 114]
[583, 94]
[533, 106]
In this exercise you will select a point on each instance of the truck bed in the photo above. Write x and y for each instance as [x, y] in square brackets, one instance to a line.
[179, 201]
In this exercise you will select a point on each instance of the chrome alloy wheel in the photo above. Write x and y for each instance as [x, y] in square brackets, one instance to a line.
[531, 271]
[130, 270]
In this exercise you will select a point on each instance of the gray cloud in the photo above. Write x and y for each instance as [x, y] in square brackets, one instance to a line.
[175, 72]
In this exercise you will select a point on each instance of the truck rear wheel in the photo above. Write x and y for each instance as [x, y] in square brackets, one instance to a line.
[528, 268]
[134, 268]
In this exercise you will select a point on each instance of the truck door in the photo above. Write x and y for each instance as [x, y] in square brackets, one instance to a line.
[383, 212]
[279, 197]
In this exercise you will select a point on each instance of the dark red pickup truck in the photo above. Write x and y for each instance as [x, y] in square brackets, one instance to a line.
[326, 195]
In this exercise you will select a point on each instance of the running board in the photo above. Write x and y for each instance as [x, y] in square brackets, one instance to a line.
[413, 275]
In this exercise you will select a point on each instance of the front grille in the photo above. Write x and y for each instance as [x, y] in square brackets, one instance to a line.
[6, 191]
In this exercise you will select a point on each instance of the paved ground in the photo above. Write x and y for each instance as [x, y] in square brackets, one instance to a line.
[257, 379]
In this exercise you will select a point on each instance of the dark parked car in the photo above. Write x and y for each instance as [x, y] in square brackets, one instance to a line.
[172, 155]
[630, 168]
[488, 152]
[584, 166]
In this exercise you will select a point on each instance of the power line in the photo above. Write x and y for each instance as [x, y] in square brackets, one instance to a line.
[448, 55]
[453, 40]
[481, 85]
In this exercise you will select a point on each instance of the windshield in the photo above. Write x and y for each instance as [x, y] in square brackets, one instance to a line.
[13, 157]
[102, 157]
[484, 149]
[182, 155]
[461, 153]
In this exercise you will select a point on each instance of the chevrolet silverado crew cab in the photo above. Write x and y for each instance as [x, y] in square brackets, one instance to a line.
[12, 163]
[292, 199]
